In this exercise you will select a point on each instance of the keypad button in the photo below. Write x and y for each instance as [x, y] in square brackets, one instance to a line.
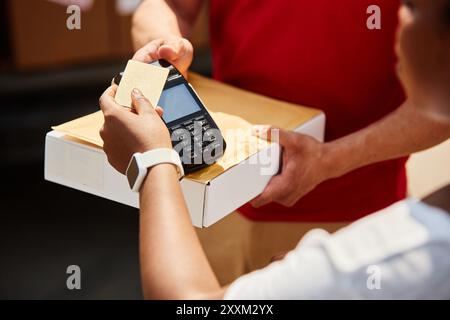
[175, 128]
[195, 158]
[197, 142]
[216, 148]
[213, 149]
[211, 135]
[198, 146]
[215, 145]
[187, 149]
[180, 145]
[201, 123]
[180, 134]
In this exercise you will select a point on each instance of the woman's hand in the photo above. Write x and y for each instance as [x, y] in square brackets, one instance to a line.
[126, 131]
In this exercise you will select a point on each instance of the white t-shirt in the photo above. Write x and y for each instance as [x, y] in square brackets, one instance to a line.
[401, 252]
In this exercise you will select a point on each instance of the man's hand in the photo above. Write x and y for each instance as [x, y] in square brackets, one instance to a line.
[302, 168]
[176, 50]
[126, 131]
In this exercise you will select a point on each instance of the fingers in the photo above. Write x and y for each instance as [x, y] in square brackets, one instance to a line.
[149, 52]
[107, 102]
[173, 50]
[273, 190]
[159, 111]
[141, 103]
[280, 189]
[114, 88]
[170, 50]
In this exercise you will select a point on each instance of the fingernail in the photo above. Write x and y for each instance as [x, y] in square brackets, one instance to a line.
[137, 92]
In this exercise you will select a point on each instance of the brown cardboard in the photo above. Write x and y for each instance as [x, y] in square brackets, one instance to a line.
[210, 194]
[40, 37]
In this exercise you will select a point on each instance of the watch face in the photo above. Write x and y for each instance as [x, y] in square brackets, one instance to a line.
[132, 172]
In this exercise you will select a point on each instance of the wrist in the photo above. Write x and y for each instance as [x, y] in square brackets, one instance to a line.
[142, 164]
[162, 169]
[152, 146]
[157, 141]
[335, 162]
[161, 173]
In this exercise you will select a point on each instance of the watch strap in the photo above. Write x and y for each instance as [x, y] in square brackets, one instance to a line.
[155, 157]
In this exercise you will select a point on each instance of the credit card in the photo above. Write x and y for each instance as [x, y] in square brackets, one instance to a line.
[149, 79]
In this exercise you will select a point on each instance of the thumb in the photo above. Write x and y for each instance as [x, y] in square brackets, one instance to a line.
[173, 50]
[149, 52]
[141, 103]
[159, 111]
[107, 102]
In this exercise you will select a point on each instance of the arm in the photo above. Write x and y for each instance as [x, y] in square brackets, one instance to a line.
[173, 264]
[158, 18]
[439, 199]
[402, 132]
[405, 131]
[160, 30]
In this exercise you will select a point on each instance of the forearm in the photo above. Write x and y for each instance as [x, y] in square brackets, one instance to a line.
[152, 20]
[400, 133]
[173, 264]
[156, 19]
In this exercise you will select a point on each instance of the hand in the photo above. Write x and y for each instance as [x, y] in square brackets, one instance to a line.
[176, 50]
[302, 168]
[126, 131]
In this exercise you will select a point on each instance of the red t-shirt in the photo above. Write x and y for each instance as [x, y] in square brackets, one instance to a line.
[318, 53]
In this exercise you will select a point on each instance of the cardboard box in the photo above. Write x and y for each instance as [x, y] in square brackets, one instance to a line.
[74, 158]
[40, 37]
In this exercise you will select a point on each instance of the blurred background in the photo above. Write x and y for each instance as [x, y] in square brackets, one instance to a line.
[50, 75]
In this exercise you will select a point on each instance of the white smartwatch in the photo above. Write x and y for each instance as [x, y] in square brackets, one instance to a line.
[141, 162]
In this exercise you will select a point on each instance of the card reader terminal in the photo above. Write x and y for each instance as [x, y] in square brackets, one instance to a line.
[195, 135]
